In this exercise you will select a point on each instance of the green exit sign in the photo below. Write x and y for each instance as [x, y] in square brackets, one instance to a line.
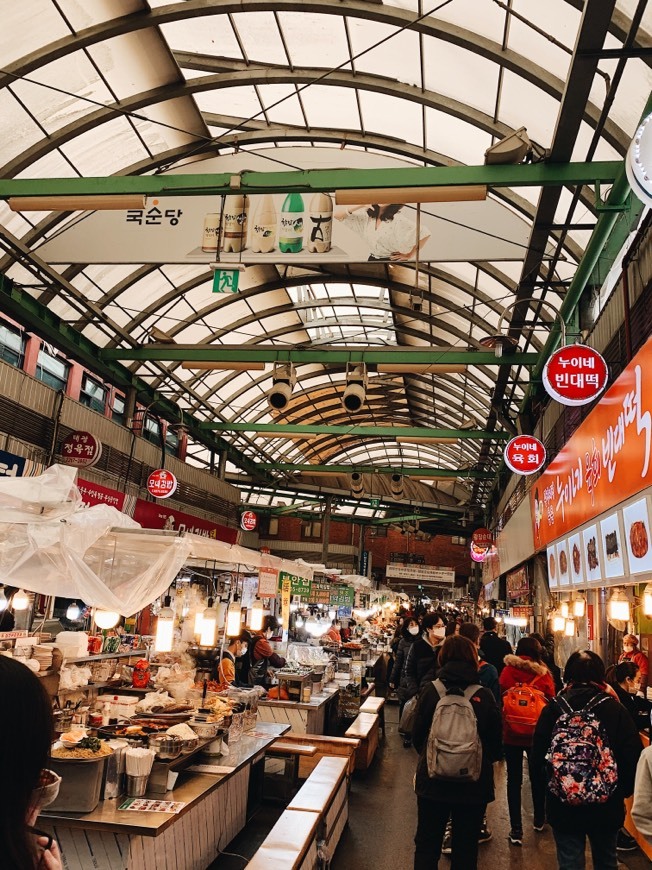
[374, 502]
[225, 280]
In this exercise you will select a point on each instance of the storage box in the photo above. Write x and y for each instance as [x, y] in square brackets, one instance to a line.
[122, 706]
[81, 784]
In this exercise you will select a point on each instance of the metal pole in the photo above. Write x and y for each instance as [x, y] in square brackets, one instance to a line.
[326, 528]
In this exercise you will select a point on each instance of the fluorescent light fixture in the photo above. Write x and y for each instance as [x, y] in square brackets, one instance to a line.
[402, 195]
[292, 436]
[98, 202]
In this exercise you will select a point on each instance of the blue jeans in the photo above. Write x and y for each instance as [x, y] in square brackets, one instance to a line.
[570, 849]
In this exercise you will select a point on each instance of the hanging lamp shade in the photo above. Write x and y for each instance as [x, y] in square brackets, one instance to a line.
[20, 600]
[563, 609]
[618, 607]
[647, 600]
[73, 611]
[234, 619]
[569, 628]
[558, 622]
[106, 618]
[208, 625]
[165, 628]
[579, 606]
[257, 613]
[3, 600]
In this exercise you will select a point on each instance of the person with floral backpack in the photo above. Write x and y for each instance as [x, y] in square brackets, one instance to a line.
[587, 747]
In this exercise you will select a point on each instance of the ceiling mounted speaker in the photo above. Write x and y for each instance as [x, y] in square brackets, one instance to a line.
[355, 393]
[396, 485]
[512, 149]
[357, 485]
[283, 380]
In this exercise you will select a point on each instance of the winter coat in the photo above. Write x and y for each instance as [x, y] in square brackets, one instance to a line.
[521, 670]
[420, 666]
[641, 660]
[638, 708]
[488, 677]
[460, 674]
[494, 649]
[642, 805]
[624, 743]
[397, 677]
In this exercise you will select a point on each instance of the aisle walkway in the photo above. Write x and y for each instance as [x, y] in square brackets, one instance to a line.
[382, 820]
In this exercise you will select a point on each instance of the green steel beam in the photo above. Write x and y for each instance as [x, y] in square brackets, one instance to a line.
[29, 312]
[306, 181]
[358, 431]
[411, 471]
[326, 355]
[410, 518]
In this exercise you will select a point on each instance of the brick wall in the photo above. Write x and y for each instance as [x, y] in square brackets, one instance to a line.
[438, 551]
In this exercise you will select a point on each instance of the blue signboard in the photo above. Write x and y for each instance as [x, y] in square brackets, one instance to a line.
[11, 465]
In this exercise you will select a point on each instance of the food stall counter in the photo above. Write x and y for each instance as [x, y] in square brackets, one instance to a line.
[214, 811]
[304, 717]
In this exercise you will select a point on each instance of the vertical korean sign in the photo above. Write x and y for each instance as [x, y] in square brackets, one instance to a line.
[286, 597]
[606, 461]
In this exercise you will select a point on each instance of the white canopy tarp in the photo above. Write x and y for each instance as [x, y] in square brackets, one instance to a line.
[233, 556]
[49, 496]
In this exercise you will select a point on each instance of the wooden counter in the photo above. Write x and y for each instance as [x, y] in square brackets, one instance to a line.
[309, 717]
[215, 812]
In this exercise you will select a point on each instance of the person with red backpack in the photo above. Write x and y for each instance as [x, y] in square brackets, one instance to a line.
[587, 746]
[527, 686]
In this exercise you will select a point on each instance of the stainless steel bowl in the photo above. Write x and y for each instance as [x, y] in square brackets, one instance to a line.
[204, 730]
[190, 745]
[166, 746]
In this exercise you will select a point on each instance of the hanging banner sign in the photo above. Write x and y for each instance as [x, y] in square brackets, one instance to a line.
[93, 493]
[152, 515]
[248, 521]
[523, 611]
[299, 585]
[575, 375]
[606, 461]
[482, 538]
[161, 483]
[342, 596]
[267, 582]
[525, 454]
[286, 598]
[80, 449]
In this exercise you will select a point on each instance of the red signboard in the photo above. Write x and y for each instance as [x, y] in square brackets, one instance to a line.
[590, 635]
[525, 454]
[517, 583]
[575, 374]
[161, 483]
[267, 582]
[80, 449]
[248, 521]
[607, 460]
[93, 493]
[482, 538]
[154, 516]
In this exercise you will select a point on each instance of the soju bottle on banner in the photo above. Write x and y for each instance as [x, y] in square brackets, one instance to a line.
[235, 224]
[290, 238]
[320, 223]
[263, 229]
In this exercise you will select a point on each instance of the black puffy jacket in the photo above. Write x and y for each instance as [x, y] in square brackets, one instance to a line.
[420, 666]
[624, 743]
[401, 654]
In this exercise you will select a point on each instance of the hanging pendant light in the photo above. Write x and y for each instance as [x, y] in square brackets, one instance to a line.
[579, 606]
[199, 617]
[165, 628]
[234, 618]
[3, 600]
[563, 609]
[73, 611]
[208, 625]
[558, 622]
[20, 600]
[647, 600]
[569, 628]
[106, 618]
[257, 612]
[618, 607]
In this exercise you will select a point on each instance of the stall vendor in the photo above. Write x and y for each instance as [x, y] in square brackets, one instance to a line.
[631, 653]
[261, 654]
[237, 648]
[332, 637]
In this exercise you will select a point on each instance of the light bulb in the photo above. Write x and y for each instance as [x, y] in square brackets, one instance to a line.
[165, 629]
[21, 600]
[569, 628]
[332, 614]
[618, 606]
[3, 600]
[563, 608]
[299, 621]
[208, 625]
[647, 600]
[312, 626]
[199, 616]
[256, 619]
[234, 619]
[558, 622]
[73, 611]
[106, 618]
[579, 606]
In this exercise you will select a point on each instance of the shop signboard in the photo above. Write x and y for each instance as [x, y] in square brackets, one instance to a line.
[576, 561]
[161, 483]
[342, 596]
[267, 582]
[612, 546]
[286, 598]
[320, 592]
[553, 573]
[523, 611]
[80, 449]
[575, 374]
[93, 493]
[482, 538]
[525, 454]
[299, 585]
[606, 461]
[422, 573]
[11, 465]
[152, 515]
[592, 551]
[563, 569]
[248, 521]
[518, 583]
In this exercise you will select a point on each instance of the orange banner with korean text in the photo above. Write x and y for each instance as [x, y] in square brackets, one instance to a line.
[607, 459]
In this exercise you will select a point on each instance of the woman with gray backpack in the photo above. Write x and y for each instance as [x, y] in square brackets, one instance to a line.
[587, 745]
[457, 733]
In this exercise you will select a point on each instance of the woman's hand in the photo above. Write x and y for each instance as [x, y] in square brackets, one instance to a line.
[51, 858]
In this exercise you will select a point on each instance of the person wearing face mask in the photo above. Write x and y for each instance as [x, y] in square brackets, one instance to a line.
[631, 653]
[408, 635]
[333, 636]
[494, 648]
[261, 654]
[625, 680]
[422, 660]
[237, 648]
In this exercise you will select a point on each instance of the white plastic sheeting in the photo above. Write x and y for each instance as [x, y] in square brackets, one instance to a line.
[232, 555]
[49, 496]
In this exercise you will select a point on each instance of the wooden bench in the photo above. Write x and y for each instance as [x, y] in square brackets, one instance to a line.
[344, 747]
[325, 792]
[290, 845]
[279, 786]
[365, 728]
[375, 705]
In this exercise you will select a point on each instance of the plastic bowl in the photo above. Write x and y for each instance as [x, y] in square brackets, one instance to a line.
[205, 730]
[47, 790]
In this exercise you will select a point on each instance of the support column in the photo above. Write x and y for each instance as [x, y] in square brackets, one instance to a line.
[221, 467]
[326, 528]
[130, 407]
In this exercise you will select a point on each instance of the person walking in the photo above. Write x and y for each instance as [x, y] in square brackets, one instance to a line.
[409, 633]
[487, 672]
[585, 793]
[421, 663]
[494, 648]
[524, 669]
[464, 800]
